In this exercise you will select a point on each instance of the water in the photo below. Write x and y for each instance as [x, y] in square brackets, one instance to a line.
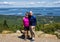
[49, 11]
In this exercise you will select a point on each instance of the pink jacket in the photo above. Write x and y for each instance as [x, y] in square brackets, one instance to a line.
[26, 21]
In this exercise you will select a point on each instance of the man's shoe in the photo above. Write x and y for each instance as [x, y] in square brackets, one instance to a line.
[33, 39]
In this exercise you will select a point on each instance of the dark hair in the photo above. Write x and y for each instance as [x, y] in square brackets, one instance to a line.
[27, 13]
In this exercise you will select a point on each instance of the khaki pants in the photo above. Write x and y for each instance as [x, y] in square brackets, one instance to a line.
[32, 31]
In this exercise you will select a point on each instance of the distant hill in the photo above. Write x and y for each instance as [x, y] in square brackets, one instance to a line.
[48, 11]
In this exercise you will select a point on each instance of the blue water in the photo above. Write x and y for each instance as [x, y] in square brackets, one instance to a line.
[49, 11]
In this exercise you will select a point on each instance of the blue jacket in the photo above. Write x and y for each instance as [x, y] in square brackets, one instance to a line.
[32, 20]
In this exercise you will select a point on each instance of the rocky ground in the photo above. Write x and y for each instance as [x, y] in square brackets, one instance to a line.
[40, 37]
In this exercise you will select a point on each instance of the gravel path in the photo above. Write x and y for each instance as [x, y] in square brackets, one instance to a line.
[14, 38]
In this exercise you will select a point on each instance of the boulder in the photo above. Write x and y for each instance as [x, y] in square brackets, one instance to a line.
[6, 32]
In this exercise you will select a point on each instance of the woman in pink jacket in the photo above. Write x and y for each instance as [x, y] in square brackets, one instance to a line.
[26, 25]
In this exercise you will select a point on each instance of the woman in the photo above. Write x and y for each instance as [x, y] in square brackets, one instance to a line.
[26, 25]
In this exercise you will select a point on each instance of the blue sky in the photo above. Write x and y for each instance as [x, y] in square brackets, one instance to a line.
[29, 3]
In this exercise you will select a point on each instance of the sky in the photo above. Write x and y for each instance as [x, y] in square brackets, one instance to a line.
[29, 3]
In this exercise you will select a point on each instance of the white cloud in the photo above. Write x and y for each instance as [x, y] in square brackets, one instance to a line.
[41, 2]
[49, 4]
[32, 3]
[56, 2]
[7, 2]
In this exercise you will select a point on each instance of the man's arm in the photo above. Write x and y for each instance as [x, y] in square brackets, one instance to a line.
[35, 20]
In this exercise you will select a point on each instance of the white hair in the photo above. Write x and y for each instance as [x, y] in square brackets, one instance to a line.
[31, 12]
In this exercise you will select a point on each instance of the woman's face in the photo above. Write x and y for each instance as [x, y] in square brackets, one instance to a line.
[26, 14]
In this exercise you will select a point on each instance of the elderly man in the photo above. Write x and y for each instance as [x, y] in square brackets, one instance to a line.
[32, 23]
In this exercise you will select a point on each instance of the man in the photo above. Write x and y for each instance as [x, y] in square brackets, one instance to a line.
[32, 20]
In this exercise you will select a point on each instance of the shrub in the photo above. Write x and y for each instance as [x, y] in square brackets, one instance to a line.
[49, 29]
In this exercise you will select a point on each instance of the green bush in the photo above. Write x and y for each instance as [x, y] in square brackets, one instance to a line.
[57, 26]
[51, 28]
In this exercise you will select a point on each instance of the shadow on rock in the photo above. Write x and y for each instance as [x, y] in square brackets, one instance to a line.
[22, 36]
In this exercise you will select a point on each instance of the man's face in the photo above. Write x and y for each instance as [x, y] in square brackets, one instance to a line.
[31, 13]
